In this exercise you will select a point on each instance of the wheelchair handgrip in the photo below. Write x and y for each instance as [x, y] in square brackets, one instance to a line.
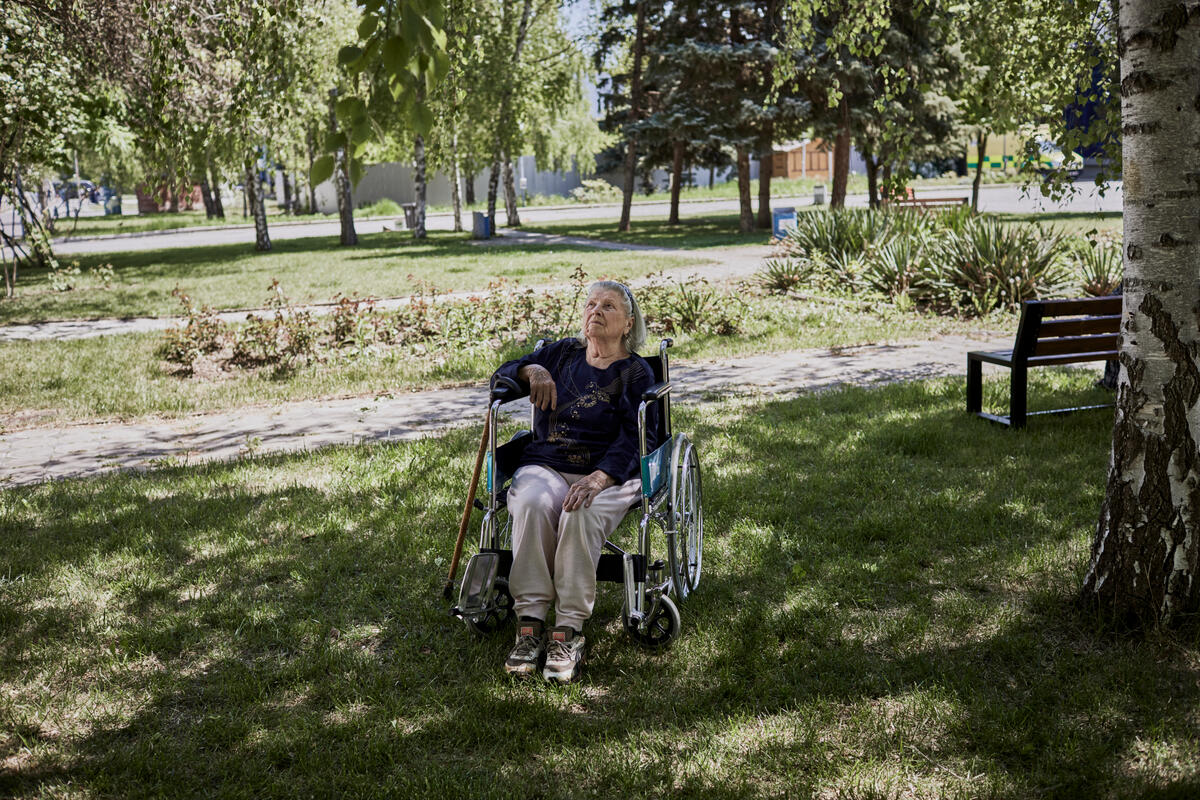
[506, 390]
[656, 392]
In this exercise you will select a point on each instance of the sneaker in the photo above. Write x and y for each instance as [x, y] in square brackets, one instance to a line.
[564, 655]
[523, 660]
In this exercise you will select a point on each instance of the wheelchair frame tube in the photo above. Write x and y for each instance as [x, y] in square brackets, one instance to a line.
[493, 495]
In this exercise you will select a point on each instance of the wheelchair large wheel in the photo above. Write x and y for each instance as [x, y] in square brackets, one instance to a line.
[660, 629]
[687, 549]
[500, 615]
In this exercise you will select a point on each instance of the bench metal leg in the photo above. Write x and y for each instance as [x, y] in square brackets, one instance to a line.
[974, 385]
[1017, 394]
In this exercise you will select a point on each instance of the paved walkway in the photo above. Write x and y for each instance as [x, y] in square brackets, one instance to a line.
[728, 262]
[36, 455]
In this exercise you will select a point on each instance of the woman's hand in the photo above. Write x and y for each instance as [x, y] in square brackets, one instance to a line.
[584, 491]
[542, 391]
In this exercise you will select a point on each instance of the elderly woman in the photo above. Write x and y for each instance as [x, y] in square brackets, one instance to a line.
[578, 477]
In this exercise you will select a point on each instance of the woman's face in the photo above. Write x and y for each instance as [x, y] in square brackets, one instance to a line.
[604, 317]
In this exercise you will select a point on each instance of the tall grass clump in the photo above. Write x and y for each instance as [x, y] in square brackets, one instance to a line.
[950, 262]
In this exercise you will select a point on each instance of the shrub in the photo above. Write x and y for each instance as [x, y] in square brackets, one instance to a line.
[202, 332]
[1100, 266]
[782, 275]
[595, 190]
[990, 265]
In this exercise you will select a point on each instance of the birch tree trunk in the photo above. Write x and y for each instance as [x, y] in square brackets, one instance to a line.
[510, 194]
[262, 240]
[421, 185]
[635, 105]
[1147, 546]
[206, 196]
[982, 148]
[745, 211]
[455, 181]
[341, 181]
[214, 181]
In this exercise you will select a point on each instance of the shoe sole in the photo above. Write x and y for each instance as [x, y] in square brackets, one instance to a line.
[523, 671]
[564, 677]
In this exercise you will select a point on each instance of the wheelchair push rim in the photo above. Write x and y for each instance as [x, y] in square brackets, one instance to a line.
[685, 534]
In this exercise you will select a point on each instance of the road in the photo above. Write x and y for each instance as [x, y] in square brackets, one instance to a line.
[1004, 198]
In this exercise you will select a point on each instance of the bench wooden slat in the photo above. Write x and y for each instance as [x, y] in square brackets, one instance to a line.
[1070, 358]
[1077, 344]
[1080, 327]
[1080, 306]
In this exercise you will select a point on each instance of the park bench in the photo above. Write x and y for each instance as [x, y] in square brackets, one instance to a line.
[929, 202]
[1050, 332]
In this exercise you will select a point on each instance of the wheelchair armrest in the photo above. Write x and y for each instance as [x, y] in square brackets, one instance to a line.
[506, 390]
[656, 392]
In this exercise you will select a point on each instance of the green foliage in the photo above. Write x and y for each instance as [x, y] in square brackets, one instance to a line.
[946, 261]
[782, 275]
[399, 59]
[1100, 265]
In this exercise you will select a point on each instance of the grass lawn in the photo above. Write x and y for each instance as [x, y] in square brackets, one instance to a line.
[887, 610]
[309, 270]
[122, 377]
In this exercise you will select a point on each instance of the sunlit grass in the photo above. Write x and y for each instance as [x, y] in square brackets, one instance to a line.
[310, 270]
[887, 610]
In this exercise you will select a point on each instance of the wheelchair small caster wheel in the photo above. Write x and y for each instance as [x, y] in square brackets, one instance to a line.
[660, 629]
[500, 613]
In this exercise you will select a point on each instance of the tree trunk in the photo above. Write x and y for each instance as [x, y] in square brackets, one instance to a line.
[419, 162]
[841, 156]
[872, 179]
[1146, 553]
[311, 141]
[635, 114]
[206, 196]
[262, 240]
[982, 143]
[510, 194]
[676, 181]
[341, 181]
[469, 189]
[493, 188]
[746, 211]
[498, 142]
[766, 166]
[455, 181]
[214, 181]
[287, 191]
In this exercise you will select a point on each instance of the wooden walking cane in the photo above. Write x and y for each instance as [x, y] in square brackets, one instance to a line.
[466, 515]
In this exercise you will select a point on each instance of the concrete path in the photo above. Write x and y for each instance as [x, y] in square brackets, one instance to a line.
[725, 263]
[36, 455]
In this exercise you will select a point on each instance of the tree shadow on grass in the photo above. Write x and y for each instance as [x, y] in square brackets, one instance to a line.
[886, 599]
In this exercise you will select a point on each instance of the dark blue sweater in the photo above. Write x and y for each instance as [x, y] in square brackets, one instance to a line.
[595, 423]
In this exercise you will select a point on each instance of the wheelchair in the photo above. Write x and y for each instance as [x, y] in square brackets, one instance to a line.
[668, 515]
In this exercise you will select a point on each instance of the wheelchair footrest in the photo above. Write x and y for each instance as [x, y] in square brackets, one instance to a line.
[612, 568]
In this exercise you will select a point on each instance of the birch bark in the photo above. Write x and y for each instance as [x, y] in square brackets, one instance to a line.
[1147, 545]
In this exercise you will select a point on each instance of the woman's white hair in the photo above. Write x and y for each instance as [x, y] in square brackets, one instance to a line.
[636, 336]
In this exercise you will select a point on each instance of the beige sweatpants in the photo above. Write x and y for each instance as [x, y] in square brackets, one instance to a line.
[555, 552]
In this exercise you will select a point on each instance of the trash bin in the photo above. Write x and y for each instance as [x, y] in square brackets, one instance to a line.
[819, 195]
[481, 226]
[410, 215]
[781, 220]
